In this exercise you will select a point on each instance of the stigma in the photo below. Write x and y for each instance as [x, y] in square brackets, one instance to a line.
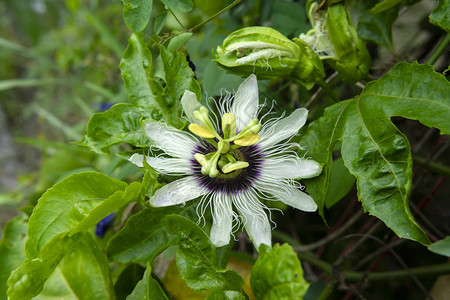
[223, 159]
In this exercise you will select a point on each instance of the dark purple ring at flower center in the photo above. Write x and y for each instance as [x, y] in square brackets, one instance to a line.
[233, 182]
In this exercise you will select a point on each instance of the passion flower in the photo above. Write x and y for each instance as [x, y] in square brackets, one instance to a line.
[232, 161]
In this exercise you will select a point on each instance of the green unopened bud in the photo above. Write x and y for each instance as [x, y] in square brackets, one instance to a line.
[334, 38]
[352, 57]
[269, 54]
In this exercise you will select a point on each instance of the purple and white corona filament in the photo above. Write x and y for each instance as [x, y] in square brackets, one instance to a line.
[232, 161]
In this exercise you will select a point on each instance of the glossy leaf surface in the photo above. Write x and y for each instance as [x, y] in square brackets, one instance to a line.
[12, 249]
[196, 256]
[376, 28]
[440, 16]
[119, 124]
[27, 281]
[137, 13]
[179, 5]
[373, 149]
[143, 237]
[277, 274]
[67, 204]
[147, 289]
[441, 247]
[108, 206]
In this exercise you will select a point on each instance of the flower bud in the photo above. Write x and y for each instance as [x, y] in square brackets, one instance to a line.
[269, 54]
[334, 38]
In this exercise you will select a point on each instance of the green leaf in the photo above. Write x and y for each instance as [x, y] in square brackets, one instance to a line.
[144, 91]
[55, 286]
[226, 295]
[72, 267]
[137, 13]
[440, 16]
[289, 18]
[148, 289]
[136, 67]
[319, 140]
[384, 5]
[27, 281]
[126, 277]
[195, 258]
[177, 41]
[178, 77]
[12, 251]
[86, 271]
[178, 5]
[376, 28]
[110, 205]
[341, 182]
[277, 274]
[373, 149]
[67, 204]
[143, 237]
[441, 247]
[119, 124]
[160, 20]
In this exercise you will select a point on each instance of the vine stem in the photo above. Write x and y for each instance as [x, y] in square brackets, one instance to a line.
[214, 16]
[328, 90]
[351, 276]
[432, 166]
[440, 48]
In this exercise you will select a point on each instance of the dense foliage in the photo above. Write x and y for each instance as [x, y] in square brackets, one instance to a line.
[90, 76]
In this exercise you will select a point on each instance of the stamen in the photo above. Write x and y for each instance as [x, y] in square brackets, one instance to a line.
[201, 159]
[247, 140]
[203, 116]
[201, 131]
[234, 166]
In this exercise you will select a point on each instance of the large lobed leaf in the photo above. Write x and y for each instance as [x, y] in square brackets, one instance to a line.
[12, 251]
[440, 16]
[196, 258]
[74, 264]
[277, 274]
[147, 289]
[373, 149]
[71, 203]
[143, 237]
[137, 13]
[151, 231]
[119, 124]
[149, 99]
[376, 28]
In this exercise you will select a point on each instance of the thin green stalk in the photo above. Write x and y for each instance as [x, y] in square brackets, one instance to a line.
[432, 166]
[214, 16]
[329, 91]
[350, 276]
[442, 46]
[175, 16]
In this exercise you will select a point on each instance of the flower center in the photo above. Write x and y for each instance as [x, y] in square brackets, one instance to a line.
[224, 159]
[233, 182]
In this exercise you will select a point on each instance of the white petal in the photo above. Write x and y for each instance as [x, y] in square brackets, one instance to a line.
[291, 167]
[245, 103]
[255, 219]
[222, 220]
[287, 194]
[190, 104]
[171, 140]
[284, 128]
[137, 159]
[177, 192]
